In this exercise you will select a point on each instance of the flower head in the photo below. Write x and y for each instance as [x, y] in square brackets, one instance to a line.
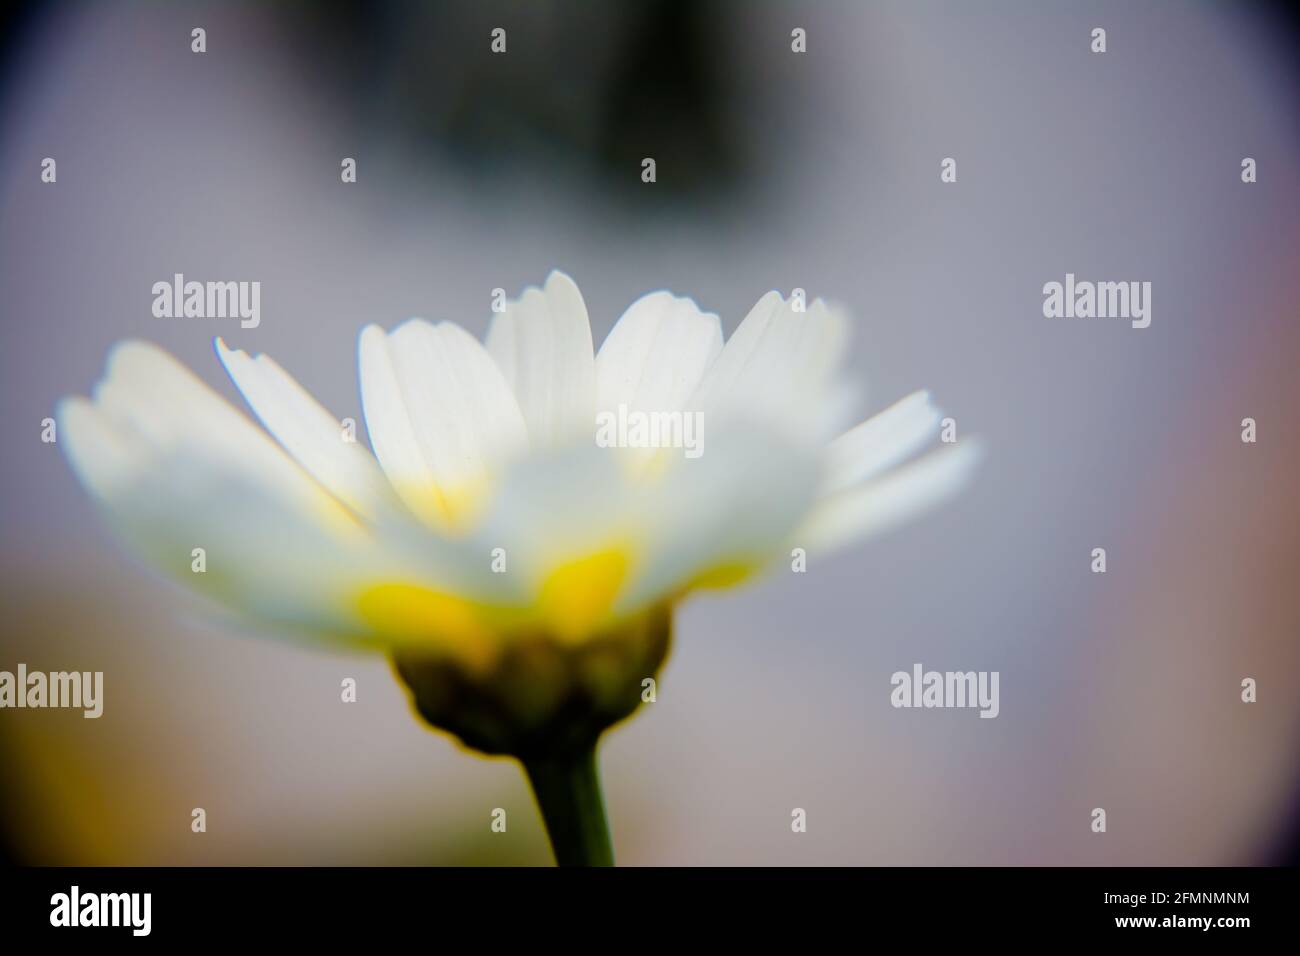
[520, 569]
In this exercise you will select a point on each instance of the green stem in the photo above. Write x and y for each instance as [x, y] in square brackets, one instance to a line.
[568, 793]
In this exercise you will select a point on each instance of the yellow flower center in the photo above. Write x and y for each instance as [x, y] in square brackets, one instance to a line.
[577, 595]
[573, 601]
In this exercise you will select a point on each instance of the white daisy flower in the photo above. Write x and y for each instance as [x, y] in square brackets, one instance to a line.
[510, 563]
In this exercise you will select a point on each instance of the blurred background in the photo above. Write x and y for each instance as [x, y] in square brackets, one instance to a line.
[774, 170]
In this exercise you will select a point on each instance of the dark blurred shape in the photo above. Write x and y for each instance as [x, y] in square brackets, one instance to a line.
[9, 811]
[17, 22]
[1288, 849]
[583, 93]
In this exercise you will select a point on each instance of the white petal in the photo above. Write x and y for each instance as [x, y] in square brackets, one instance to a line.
[877, 505]
[780, 366]
[556, 506]
[542, 344]
[730, 510]
[440, 415]
[103, 457]
[260, 557]
[656, 354]
[310, 433]
[727, 371]
[881, 442]
[274, 542]
[392, 434]
[462, 410]
[175, 468]
[155, 403]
